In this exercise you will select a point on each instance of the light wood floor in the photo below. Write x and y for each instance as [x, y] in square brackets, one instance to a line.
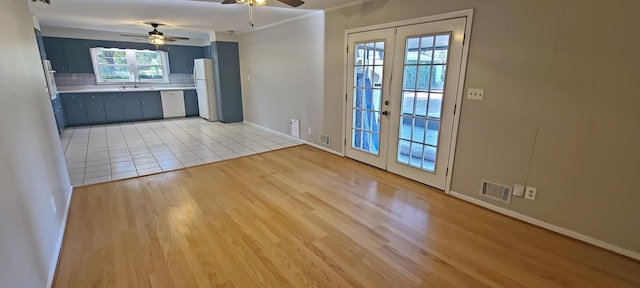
[300, 217]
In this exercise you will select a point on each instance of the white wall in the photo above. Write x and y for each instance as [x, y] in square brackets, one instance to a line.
[33, 180]
[286, 65]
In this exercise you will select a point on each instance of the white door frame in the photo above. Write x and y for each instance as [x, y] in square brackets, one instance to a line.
[463, 72]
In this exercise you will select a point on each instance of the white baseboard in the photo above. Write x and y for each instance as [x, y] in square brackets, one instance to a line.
[548, 226]
[63, 226]
[295, 139]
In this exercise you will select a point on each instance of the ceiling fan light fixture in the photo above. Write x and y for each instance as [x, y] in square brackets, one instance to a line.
[261, 2]
[253, 2]
[156, 40]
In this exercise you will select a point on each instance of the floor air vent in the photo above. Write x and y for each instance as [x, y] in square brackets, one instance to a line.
[496, 191]
[324, 139]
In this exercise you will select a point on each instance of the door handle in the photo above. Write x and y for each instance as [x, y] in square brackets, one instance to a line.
[385, 113]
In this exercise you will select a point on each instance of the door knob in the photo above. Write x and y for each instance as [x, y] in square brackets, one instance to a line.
[386, 102]
[385, 113]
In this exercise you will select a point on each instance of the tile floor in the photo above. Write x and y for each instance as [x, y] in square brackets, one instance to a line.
[105, 153]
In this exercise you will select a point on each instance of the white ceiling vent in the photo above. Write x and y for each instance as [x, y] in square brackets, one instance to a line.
[496, 191]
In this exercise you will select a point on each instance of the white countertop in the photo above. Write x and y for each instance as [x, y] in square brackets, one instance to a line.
[118, 88]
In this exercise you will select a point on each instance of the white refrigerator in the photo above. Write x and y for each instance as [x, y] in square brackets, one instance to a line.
[205, 86]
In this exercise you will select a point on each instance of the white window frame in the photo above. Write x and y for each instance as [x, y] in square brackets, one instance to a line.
[132, 65]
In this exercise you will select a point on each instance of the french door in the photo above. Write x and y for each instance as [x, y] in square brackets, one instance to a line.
[401, 95]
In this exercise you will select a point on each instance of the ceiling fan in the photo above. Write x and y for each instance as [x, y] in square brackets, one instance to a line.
[252, 3]
[156, 37]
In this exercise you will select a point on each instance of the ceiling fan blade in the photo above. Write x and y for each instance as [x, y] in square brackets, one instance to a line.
[293, 3]
[135, 35]
[229, 2]
[176, 38]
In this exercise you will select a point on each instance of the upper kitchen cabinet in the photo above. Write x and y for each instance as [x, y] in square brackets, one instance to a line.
[68, 55]
[181, 58]
[54, 48]
[77, 54]
[178, 60]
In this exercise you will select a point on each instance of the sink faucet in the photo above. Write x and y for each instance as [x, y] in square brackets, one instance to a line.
[135, 83]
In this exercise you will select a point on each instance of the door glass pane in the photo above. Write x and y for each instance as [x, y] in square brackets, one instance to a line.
[410, 77]
[421, 104]
[407, 102]
[435, 105]
[424, 74]
[426, 50]
[367, 97]
[433, 131]
[418, 130]
[423, 88]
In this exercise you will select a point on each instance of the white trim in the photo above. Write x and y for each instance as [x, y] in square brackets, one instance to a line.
[426, 19]
[354, 3]
[54, 262]
[282, 22]
[459, 97]
[548, 226]
[468, 14]
[294, 138]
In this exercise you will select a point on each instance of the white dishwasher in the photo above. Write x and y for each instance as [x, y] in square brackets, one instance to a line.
[173, 103]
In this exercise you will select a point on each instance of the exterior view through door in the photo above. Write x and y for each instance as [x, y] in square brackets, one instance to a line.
[401, 97]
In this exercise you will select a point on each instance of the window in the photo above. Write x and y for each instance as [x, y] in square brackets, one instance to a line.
[129, 65]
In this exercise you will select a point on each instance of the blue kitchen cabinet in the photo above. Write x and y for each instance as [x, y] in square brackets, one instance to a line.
[191, 103]
[132, 107]
[151, 105]
[58, 112]
[54, 48]
[75, 110]
[77, 55]
[114, 108]
[193, 53]
[95, 109]
[178, 60]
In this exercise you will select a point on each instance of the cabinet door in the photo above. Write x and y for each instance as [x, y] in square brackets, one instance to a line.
[75, 110]
[77, 54]
[132, 107]
[191, 103]
[114, 108]
[58, 112]
[178, 59]
[193, 53]
[55, 52]
[95, 109]
[151, 105]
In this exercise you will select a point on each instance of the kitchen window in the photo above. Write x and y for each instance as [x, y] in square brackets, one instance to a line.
[113, 65]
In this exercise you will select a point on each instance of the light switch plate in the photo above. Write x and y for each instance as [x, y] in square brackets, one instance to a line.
[475, 94]
[530, 193]
[518, 190]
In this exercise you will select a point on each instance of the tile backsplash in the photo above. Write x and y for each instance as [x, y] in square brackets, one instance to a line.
[84, 79]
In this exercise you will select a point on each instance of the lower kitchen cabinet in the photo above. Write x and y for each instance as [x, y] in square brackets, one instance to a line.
[58, 112]
[191, 103]
[75, 110]
[103, 108]
[114, 108]
[151, 105]
[132, 108]
[95, 109]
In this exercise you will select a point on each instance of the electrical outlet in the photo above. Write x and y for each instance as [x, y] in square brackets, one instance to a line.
[518, 190]
[309, 130]
[475, 94]
[74, 76]
[530, 193]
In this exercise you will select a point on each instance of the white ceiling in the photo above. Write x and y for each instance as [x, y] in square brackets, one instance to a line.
[187, 18]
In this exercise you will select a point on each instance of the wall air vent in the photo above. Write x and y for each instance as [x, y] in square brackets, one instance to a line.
[325, 140]
[496, 191]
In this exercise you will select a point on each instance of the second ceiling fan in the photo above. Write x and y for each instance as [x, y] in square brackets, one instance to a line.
[252, 3]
